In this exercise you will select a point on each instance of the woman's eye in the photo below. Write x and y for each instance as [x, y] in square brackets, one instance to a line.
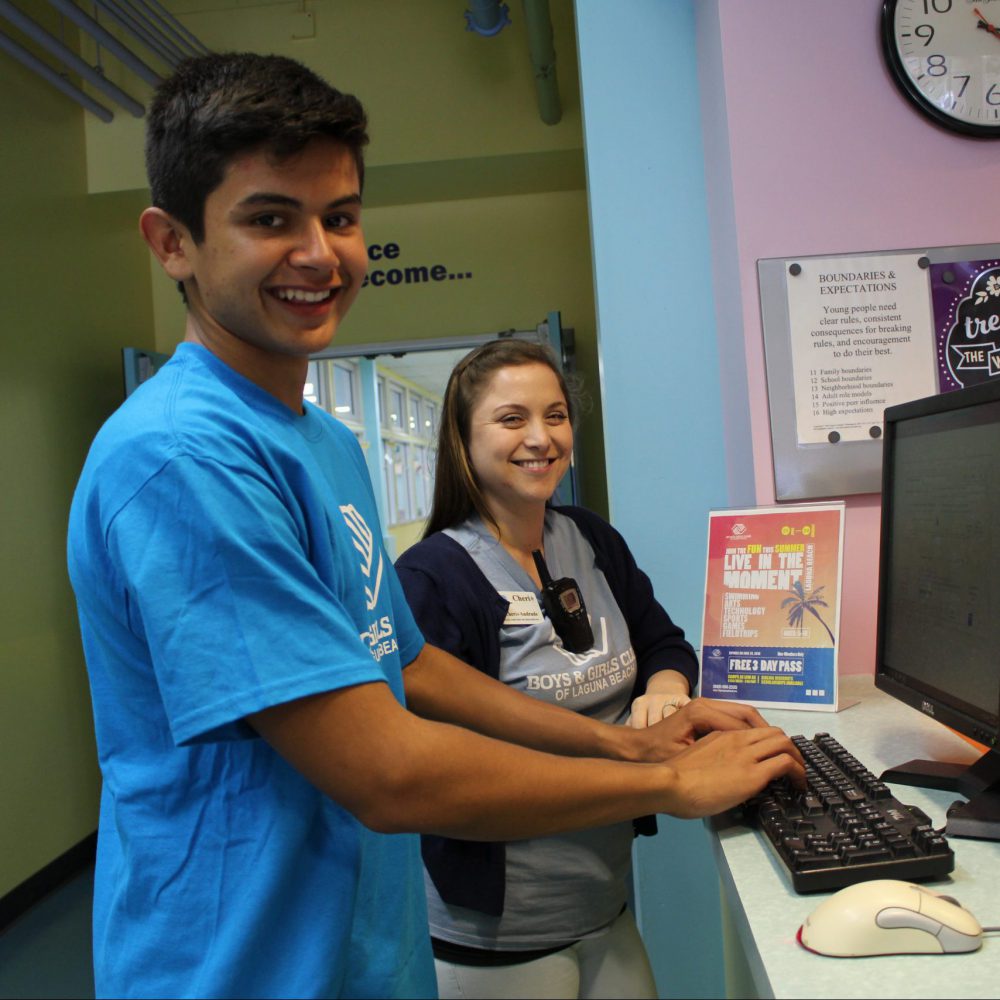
[558, 417]
[512, 420]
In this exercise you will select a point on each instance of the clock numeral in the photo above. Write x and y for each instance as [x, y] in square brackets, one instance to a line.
[937, 6]
[925, 31]
[936, 66]
[992, 96]
[965, 78]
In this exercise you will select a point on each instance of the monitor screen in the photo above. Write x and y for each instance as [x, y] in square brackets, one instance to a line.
[939, 581]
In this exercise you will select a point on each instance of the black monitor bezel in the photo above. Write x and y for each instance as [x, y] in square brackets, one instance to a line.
[984, 728]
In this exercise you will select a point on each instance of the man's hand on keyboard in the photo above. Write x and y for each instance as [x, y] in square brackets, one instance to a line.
[723, 769]
[694, 720]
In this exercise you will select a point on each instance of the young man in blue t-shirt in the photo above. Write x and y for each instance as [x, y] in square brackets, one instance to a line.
[272, 729]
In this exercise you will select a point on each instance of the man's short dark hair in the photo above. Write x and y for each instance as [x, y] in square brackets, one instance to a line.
[218, 106]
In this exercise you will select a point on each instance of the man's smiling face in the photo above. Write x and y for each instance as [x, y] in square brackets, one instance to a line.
[283, 256]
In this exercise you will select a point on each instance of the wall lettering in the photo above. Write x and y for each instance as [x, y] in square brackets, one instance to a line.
[413, 274]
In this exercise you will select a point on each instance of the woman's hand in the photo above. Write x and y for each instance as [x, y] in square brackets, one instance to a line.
[652, 708]
[666, 692]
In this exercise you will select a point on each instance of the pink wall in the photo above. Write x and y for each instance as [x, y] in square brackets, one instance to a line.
[827, 157]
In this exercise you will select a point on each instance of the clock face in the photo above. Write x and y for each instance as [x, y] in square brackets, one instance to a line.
[945, 55]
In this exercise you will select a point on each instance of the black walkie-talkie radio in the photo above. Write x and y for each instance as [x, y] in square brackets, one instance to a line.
[564, 605]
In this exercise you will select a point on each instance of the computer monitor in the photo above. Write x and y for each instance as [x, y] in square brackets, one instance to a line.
[938, 647]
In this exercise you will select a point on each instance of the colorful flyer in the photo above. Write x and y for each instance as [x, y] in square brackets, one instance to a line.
[966, 300]
[772, 606]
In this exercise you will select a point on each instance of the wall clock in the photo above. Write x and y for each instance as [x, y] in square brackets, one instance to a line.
[945, 57]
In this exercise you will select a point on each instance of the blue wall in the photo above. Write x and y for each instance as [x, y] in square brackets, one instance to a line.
[660, 386]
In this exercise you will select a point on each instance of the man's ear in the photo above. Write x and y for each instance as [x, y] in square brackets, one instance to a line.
[169, 240]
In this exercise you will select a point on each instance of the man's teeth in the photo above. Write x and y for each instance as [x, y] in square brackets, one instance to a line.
[300, 295]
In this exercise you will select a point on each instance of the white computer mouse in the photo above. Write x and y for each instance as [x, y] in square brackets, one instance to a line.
[889, 917]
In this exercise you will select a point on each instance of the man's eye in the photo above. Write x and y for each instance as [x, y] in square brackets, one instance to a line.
[268, 220]
[339, 221]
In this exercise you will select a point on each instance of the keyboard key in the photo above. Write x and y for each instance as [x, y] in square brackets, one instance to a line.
[862, 855]
[936, 844]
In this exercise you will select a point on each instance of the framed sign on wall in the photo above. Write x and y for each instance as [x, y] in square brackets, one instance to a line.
[847, 335]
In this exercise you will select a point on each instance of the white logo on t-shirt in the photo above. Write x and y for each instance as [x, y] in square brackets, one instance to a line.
[364, 542]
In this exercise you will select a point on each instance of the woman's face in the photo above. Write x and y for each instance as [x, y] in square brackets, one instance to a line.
[520, 437]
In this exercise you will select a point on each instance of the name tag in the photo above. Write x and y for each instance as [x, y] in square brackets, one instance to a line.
[524, 607]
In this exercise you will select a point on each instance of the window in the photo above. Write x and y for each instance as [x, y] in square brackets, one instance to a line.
[397, 481]
[407, 418]
[345, 391]
[409, 451]
[396, 407]
[311, 390]
[421, 484]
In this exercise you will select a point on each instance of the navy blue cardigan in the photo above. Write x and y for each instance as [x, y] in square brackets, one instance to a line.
[458, 610]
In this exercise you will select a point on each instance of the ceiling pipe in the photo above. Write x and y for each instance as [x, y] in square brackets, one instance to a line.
[538, 21]
[126, 17]
[174, 27]
[103, 37]
[32, 62]
[155, 27]
[52, 45]
[487, 17]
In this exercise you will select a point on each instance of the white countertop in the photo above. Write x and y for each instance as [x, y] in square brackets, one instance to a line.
[767, 913]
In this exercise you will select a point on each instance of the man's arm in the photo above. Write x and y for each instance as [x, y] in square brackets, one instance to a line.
[443, 688]
[398, 772]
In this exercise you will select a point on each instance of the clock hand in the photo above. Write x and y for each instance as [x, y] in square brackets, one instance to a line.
[984, 24]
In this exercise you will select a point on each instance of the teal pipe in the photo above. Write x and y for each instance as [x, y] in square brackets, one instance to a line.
[490, 17]
[538, 22]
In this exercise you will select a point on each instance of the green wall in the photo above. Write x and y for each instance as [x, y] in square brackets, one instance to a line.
[72, 290]
[462, 172]
[437, 96]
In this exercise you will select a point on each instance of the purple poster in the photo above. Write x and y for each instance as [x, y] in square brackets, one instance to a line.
[966, 299]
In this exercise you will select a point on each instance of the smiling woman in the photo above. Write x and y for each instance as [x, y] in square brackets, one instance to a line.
[507, 917]
[520, 445]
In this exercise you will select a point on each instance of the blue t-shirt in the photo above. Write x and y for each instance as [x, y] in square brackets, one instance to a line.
[226, 556]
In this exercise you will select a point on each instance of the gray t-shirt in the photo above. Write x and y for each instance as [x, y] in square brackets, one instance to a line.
[561, 888]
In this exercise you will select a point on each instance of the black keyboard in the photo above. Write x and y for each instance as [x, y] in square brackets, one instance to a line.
[846, 827]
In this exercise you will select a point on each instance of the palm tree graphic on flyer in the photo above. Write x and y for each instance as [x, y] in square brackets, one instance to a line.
[802, 601]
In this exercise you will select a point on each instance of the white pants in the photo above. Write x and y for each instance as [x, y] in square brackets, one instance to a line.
[612, 964]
